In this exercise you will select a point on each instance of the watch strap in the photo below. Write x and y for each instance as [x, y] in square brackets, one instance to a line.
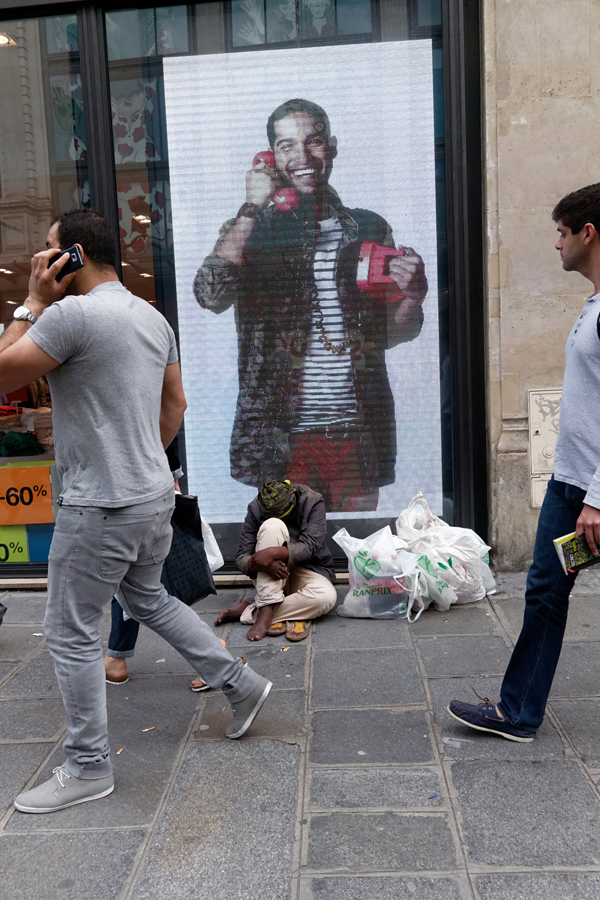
[22, 314]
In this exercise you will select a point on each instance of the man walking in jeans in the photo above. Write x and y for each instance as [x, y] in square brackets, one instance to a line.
[572, 501]
[117, 401]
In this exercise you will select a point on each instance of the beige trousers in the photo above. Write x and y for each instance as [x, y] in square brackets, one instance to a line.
[304, 595]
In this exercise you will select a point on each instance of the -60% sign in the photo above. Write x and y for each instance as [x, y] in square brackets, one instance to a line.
[25, 495]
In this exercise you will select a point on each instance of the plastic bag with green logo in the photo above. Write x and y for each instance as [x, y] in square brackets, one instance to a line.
[378, 588]
[453, 563]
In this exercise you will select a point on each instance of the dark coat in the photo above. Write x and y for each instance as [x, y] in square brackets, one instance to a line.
[272, 295]
[307, 526]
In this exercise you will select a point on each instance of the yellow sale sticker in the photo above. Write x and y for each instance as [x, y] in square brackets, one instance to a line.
[13, 544]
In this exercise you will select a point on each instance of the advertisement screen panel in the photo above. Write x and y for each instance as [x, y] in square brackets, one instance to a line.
[309, 347]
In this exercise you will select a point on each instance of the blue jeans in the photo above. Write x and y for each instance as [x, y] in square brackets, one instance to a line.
[531, 669]
[95, 554]
[123, 634]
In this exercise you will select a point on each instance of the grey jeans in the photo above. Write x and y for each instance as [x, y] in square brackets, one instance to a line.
[96, 553]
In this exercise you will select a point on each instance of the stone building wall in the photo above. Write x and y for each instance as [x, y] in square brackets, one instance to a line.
[542, 137]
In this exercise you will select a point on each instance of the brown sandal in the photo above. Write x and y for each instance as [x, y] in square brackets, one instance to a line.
[277, 629]
[297, 631]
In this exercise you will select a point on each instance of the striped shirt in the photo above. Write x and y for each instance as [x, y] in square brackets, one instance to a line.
[327, 395]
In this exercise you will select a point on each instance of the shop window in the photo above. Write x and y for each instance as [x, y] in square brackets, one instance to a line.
[44, 172]
[255, 22]
[132, 33]
[42, 142]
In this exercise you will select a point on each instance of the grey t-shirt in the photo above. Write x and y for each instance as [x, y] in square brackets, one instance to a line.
[106, 395]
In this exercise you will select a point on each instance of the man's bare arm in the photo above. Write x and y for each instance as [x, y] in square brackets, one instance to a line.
[172, 404]
[22, 362]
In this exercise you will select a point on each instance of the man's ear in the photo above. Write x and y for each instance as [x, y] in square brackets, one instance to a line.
[589, 233]
[82, 251]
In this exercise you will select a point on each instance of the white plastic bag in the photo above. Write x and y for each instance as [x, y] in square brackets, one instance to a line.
[213, 554]
[452, 562]
[377, 586]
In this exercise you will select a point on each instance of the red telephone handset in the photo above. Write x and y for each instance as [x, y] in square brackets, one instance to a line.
[283, 198]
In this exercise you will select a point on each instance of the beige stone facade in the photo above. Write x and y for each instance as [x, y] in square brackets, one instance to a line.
[542, 140]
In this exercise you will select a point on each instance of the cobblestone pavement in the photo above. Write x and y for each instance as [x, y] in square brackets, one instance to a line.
[354, 783]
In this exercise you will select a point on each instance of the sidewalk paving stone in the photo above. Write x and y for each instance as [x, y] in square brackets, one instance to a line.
[228, 828]
[36, 678]
[553, 886]
[281, 717]
[581, 721]
[462, 742]
[384, 677]
[578, 670]
[474, 618]
[83, 866]
[353, 783]
[456, 655]
[283, 664]
[18, 641]
[375, 788]
[333, 632]
[5, 668]
[380, 842]
[22, 720]
[369, 888]
[370, 736]
[18, 762]
[142, 769]
[536, 813]
[24, 607]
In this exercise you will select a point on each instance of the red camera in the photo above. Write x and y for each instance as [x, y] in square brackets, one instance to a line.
[373, 272]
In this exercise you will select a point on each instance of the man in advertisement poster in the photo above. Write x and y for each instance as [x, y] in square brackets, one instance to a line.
[117, 401]
[315, 404]
[572, 501]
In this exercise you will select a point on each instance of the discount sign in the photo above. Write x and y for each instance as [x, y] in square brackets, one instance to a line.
[25, 495]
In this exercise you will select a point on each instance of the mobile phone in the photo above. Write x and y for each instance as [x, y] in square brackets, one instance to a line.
[75, 261]
[283, 198]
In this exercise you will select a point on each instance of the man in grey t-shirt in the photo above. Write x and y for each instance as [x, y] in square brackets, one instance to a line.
[117, 401]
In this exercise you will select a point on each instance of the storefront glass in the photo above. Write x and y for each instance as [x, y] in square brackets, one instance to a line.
[327, 385]
[43, 172]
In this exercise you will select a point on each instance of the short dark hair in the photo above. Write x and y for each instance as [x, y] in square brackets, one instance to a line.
[578, 208]
[90, 229]
[294, 106]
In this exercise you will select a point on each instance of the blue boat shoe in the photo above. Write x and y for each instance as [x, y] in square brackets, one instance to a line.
[485, 718]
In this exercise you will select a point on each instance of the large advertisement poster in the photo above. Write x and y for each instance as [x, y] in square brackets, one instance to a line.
[304, 221]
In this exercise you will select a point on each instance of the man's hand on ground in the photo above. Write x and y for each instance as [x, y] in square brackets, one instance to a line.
[44, 289]
[588, 523]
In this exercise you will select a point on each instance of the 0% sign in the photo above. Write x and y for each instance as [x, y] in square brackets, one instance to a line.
[25, 495]
[12, 551]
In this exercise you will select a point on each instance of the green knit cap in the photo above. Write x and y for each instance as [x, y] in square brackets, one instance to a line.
[276, 499]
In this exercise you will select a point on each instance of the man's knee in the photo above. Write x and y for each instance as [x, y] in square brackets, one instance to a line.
[272, 533]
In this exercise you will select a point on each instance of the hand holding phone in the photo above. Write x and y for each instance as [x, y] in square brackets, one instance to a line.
[75, 261]
[283, 198]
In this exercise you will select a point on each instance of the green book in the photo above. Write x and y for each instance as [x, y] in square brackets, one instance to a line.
[574, 553]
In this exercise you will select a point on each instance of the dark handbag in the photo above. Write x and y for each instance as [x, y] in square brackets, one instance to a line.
[186, 574]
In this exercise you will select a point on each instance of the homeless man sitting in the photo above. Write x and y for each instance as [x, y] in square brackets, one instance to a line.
[283, 546]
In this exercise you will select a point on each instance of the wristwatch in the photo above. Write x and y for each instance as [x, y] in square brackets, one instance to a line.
[22, 313]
